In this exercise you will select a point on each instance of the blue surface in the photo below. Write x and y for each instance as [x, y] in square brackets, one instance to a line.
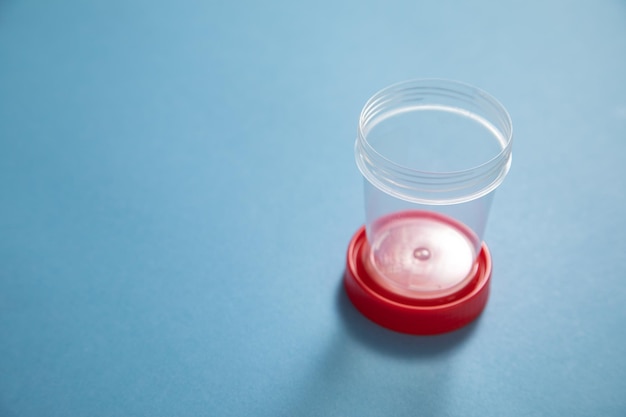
[178, 190]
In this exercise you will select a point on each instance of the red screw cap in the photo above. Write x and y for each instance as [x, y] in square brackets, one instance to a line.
[413, 316]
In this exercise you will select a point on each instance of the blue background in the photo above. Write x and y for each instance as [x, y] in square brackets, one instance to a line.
[178, 189]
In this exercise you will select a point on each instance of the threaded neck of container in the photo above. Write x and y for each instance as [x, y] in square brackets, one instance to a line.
[425, 187]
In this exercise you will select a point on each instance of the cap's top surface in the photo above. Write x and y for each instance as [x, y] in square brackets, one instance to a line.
[421, 254]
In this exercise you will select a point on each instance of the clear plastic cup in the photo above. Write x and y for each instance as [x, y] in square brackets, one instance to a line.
[432, 153]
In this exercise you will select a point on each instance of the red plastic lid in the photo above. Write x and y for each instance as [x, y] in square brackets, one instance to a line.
[412, 316]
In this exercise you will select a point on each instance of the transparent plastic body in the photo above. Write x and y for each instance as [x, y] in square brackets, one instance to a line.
[432, 153]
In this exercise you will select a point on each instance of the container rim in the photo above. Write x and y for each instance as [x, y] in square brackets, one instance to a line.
[434, 187]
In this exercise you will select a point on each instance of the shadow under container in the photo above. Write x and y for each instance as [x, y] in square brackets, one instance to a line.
[432, 153]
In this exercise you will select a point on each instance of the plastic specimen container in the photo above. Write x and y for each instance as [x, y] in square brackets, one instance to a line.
[432, 153]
